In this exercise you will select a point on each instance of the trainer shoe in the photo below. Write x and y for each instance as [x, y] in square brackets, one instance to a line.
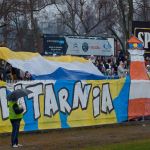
[15, 146]
[19, 145]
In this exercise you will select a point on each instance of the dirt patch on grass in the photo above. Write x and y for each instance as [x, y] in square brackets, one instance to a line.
[78, 138]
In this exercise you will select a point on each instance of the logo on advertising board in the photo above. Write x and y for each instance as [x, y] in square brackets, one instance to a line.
[107, 46]
[142, 31]
[75, 45]
[85, 47]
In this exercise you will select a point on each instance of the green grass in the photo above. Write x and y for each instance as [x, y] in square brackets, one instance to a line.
[134, 145]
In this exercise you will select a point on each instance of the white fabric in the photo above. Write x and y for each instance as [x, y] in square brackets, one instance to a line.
[40, 66]
[139, 89]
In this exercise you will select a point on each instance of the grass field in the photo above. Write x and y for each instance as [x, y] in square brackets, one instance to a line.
[133, 145]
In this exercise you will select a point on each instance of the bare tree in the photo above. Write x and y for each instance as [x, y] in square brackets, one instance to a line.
[142, 10]
[32, 7]
[19, 18]
[127, 11]
[122, 28]
[12, 15]
[82, 17]
[6, 9]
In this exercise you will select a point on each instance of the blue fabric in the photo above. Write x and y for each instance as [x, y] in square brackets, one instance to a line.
[63, 74]
[121, 102]
[69, 85]
[30, 123]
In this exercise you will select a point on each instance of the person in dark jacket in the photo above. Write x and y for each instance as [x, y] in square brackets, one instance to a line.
[15, 116]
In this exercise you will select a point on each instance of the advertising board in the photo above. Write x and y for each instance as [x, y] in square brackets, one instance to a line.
[78, 45]
[142, 31]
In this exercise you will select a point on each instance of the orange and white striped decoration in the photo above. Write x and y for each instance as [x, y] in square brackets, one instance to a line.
[139, 96]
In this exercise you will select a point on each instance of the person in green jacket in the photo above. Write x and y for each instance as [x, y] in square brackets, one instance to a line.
[15, 116]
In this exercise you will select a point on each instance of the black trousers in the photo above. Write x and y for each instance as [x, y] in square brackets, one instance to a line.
[15, 131]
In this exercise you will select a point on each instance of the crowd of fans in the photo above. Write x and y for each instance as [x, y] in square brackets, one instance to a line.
[116, 66]
[9, 73]
[112, 66]
[109, 66]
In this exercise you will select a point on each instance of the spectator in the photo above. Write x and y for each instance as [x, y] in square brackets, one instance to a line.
[147, 61]
[148, 68]
[21, 74]
[3, 44]
[15, 116]
[121, 70]
[92, 59]
[9, 75]
[1, 76]
[27, 76]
